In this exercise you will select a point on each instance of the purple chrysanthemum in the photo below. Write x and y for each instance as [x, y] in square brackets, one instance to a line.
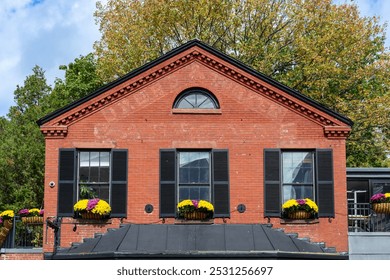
[377, 197]
[23, 212]
[41, 212]
[195, 202]
[301, 201]
[92, 203]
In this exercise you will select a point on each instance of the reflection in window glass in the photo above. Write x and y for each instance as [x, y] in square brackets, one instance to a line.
[94, 175]
[298, 175]
[194, 175]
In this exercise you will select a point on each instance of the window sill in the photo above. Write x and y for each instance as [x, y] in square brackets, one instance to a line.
[303, 221]
[194, 222]
[197, 111]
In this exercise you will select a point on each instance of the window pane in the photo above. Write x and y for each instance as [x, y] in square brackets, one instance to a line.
[84, 174]
[297, 167]
[184, 193]
[194, 193]
[183, 104]
[94, 174]
[84, 159]
[197, 193]
[104, 159]
[208, 104]
[104, 174]
[200, 99]
[184, 177]
[194, 175]
[297, 192]
[382, 187]
[191, 99]
[87, 192]
[102, 192]
[194, 167]
[204, 175]
[95, 161]
[204, 193]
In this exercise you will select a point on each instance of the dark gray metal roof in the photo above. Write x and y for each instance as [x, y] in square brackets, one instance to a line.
[196, 241]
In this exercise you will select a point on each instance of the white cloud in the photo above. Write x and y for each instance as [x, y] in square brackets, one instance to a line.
[50, 33]
[378, 8]
[47, 33]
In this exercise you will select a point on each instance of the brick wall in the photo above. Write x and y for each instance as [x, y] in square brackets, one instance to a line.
[21, 256]
[143, 122]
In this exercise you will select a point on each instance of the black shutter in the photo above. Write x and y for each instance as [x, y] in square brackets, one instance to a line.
[221, 183]
[272, 181]
[66, 182]
[167, 183]
[325, 189]
[119, 183]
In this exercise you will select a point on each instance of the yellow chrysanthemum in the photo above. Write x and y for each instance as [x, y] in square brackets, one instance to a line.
[81, 205]
[290, 203]
[34, 211]
[183, 203]
[312, 204]
[7, 214]
[102, 208]
[387, 195]
[206, 204]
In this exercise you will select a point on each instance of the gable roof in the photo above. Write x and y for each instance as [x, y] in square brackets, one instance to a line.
[234, 69]
[196, 241]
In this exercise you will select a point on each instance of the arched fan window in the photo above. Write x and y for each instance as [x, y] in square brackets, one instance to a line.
[196, 99]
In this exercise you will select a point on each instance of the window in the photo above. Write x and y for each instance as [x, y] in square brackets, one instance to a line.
[194, 174]
[92, 174]
[298, 174]
[196, 99]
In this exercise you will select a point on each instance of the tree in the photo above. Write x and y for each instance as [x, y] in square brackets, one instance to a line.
[325, 51]
[22, 146]
[80, 80]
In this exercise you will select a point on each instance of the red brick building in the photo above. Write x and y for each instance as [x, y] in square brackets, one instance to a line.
[197, 124]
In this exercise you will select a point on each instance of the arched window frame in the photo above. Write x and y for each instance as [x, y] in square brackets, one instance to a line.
[196, 91]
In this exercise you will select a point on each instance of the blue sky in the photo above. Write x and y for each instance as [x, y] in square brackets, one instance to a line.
[50, 33]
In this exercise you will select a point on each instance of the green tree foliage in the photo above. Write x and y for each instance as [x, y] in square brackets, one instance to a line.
[80, 80]
[22, 147]
[326, 51]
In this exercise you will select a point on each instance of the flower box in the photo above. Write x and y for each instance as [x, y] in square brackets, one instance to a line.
[6, 219]
[299, 215]
[92, 209]
[195, 215]
[300, 209]
[381, 208]
[32, 220]
[33, 216]
[195, 209]
[381, 203]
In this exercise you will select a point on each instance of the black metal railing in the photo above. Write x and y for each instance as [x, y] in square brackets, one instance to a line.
[361, 218]
[24, 235]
